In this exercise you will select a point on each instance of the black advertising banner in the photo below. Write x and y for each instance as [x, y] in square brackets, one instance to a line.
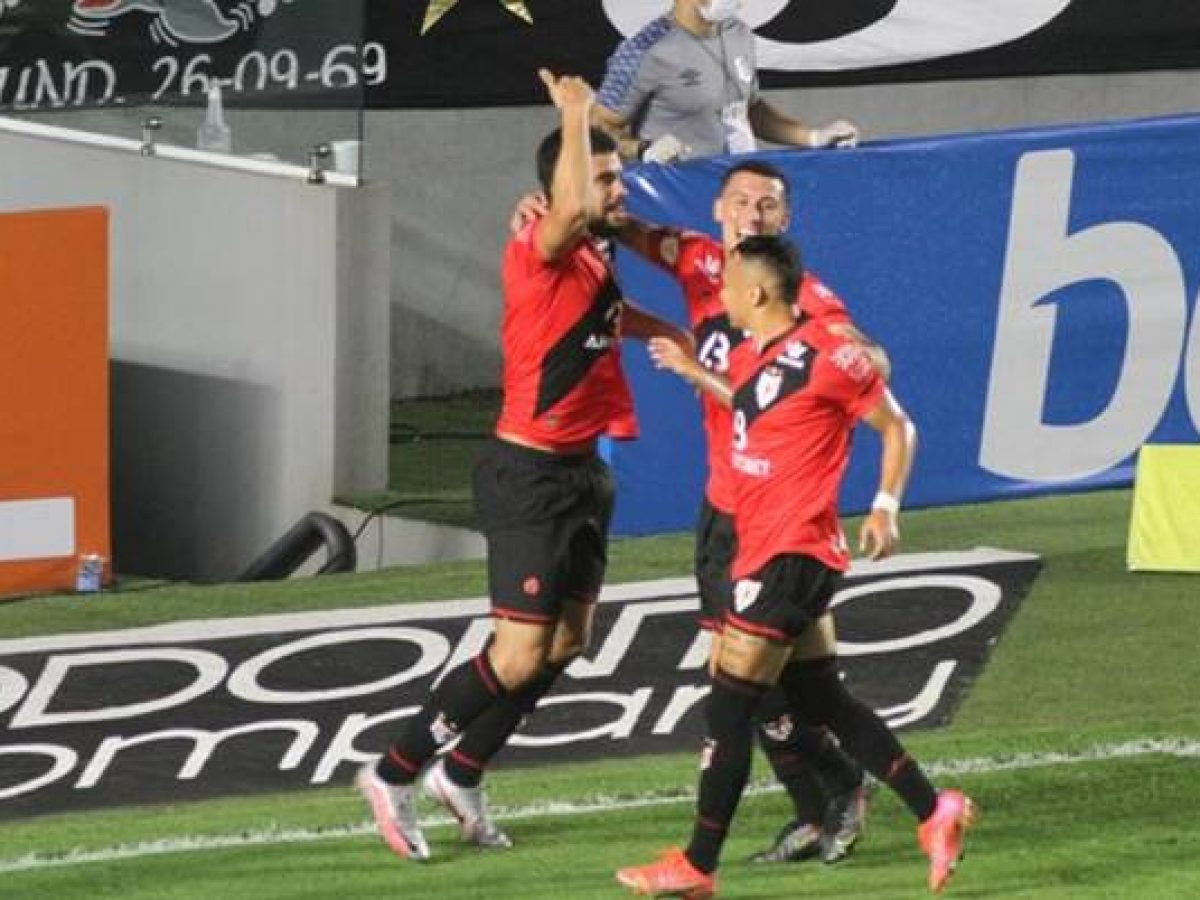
[58, 54]
[470, 53]
[230, 706]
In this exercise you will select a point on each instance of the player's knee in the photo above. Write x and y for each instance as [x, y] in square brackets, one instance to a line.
[515, 670]
[732, 704]
[561, 657]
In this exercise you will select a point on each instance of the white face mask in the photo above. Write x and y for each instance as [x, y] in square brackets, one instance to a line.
[720, 10]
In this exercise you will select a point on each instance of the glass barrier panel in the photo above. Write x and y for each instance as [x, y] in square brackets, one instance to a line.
[274, 79]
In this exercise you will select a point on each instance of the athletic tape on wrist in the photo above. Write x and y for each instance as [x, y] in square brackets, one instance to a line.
[887, 502]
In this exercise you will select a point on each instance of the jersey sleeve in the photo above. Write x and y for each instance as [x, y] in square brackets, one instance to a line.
[526, 273]
[820, 303]
[666, 247]
[847, 377]
[630, 76]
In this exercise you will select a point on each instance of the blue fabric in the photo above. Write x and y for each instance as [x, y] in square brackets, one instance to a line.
[927, 243]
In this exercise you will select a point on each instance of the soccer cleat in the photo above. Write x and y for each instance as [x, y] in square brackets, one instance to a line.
[941, 835]
[395, 813]
[671, 875]
[845, 819]
[468, 806]
[796, 841]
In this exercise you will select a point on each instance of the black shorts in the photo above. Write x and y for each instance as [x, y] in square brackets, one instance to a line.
[783, 598]
[716, 544]
[546, 519]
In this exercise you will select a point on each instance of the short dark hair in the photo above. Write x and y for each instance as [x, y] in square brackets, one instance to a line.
[779, 255]
[758, 167]
[551, 147]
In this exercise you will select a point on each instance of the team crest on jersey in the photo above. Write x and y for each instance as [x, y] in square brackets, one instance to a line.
[766, 388]
[745, 592]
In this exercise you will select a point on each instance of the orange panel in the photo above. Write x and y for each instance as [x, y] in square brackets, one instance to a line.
[54, 432]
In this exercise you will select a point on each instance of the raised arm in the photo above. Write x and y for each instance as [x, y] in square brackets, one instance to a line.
[567, 218]
[880, 529]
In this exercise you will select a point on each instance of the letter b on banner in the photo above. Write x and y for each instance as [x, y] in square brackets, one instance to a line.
[1042, 258]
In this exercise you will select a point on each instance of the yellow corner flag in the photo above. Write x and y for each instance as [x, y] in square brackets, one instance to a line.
[1164, 529]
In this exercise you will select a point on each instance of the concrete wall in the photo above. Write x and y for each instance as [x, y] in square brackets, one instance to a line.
[249, 346]
[454, 176]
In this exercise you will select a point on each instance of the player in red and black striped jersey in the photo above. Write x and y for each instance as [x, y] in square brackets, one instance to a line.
[543, 496]
[826, 786]
[797, 392]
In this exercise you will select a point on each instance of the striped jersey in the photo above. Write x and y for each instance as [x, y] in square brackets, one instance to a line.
[697, 262]
[563, 382]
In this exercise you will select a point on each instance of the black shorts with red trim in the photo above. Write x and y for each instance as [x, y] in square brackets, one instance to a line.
[783, 598]
[716, 545]
[545, 517]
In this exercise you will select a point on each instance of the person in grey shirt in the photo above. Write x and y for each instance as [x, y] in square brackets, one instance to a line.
[686, 85]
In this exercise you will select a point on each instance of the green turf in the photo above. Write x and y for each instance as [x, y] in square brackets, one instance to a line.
[432, 448]
[1095, 655]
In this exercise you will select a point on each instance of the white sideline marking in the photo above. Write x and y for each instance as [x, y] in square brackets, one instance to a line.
[1177, 747]
[280, 623]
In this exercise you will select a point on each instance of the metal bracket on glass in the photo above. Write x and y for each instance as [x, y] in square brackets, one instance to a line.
[318, 163]
[150, 129]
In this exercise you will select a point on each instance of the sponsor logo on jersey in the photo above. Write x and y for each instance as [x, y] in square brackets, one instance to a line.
[710, 265]
[853, 361]
[752, 465]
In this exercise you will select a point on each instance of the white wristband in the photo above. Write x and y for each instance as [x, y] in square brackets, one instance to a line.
[885, 501]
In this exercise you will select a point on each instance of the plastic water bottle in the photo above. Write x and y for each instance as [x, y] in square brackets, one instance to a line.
[214, 135]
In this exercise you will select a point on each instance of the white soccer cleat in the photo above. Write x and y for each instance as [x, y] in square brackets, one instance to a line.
[394, 809]
[468, 806]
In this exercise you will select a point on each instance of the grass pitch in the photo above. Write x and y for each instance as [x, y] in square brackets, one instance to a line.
[1079, 741]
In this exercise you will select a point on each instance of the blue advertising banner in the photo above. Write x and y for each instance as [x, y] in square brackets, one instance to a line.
[1034, 290]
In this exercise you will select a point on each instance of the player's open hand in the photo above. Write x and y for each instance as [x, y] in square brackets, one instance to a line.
[567, 90]
[672, 356]
[879, 534]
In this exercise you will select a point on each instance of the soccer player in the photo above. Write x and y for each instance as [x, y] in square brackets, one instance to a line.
[824, 784]
[797, 391]
[543, 496]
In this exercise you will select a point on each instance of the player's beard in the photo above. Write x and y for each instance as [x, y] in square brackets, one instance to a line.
[610, 224]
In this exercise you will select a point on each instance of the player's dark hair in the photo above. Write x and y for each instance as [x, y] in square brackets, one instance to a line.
[551, 148]
[778, 255]
[758, 167]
